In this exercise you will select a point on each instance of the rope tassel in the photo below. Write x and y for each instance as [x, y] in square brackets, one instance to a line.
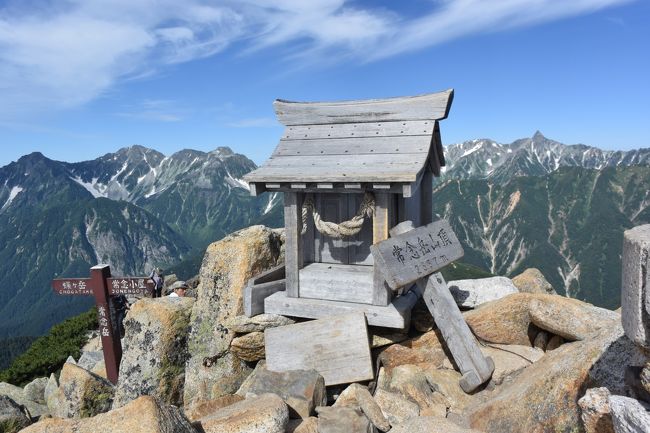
[344, 229]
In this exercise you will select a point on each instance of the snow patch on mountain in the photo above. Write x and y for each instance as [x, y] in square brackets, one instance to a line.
[12, 195]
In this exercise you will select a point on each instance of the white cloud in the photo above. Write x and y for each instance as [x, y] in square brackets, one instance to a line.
[64, 53]
[254, 122]
[158, 110]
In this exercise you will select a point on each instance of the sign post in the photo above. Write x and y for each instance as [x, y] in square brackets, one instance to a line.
[413, 255]
[102, 287]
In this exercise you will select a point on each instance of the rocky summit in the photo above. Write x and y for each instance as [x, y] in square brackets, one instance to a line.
[197, 365]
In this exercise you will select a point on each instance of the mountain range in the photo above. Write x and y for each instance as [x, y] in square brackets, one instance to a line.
[135, 209]
[534, 202]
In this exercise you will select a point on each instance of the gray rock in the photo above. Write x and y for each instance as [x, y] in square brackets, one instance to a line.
[155, 350]
[541, 340]
[396, 408]
[212, 370]
[308, 425]
[472, 293]
[51, 387]
[301, 390]
[89, 360]
[259, 323]
[12, 416]
[17, 394]
[71, 360]
[594, 411]
[554, 342]
[635, 290]
[430, 424]
[266, 413]
[629, 415]
[35, 390]
[81, 394]
[342, 420]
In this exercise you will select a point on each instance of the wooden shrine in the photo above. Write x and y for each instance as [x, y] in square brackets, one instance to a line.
[349, 171]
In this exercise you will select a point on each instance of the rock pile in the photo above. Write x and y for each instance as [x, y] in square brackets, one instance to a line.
[560, 365]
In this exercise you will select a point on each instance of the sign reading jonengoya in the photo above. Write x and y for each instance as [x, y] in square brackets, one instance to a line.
[405, 258]
[129, 285]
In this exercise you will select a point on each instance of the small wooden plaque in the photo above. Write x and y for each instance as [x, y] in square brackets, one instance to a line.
[415, 254]
[337, 347]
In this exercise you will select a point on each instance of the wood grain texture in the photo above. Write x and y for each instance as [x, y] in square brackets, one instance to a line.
[431, 106]
[476, 368]
[354, 146]
[426, 198]
[396, 315]
[406, 257]
[336, 347]
[380, 226]
[337, 282]
[255, 294]
[359, 130]
[293, 242]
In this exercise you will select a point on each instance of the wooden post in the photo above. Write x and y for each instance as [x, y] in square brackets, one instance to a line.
[293, 243]
[426, 195]
[111, 344]
[382, 293]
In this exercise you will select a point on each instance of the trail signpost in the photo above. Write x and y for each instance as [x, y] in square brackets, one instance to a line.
[413, 255]
[102, 286]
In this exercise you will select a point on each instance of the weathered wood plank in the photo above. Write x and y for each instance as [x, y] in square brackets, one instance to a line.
[326, 161]
[396, 188]
[380, 226]
[336, 347]
[406, 257]
[475, 368]
[354, 146]
[255, 294]
[273, 274]
[359, 130]
[381, 172]
[396, 315]
[293, 242]
[336, 282]
[431, 106]
[426, 197]
[438, 144]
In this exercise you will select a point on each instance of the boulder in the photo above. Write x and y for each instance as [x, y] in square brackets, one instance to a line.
[553, 385]
[356, 396]
[504, 321]
[518, 318]
[35, 390]
[301, 390]
[243, 324]
[81, 394]
[554, 342]
[93, 342]
[447, 391]
[17, 394]
[541, 340]
[249, 347]
[265, 413]
[509, 362]
[90, 359]
[395, 408]
[212, 370]
[430, 424]
[635, 290]
[644, 378]
[569, 318]
[533, 281]
[595, 414]
[155, 350]
[342, 420]
[472, 293]
[51, 387]
[205, 408]
[629, 415]
[12, 416]
[143, 415]
[307, 425]
[401, 354]
[380, 338]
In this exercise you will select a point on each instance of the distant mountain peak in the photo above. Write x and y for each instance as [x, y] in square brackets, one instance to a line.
[538, 136]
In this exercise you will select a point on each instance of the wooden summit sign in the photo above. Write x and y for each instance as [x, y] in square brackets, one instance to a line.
[416, 253]
[413, 255]
[102, 287]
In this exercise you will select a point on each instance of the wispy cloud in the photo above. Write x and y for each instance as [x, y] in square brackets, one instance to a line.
[256, 122]
[64, 53]
[158, 110]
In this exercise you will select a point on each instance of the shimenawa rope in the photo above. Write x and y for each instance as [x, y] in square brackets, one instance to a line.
[346, 228]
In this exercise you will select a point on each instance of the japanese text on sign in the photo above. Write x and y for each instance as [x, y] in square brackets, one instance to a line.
[77, 286]
[420, 252]
[127, 286]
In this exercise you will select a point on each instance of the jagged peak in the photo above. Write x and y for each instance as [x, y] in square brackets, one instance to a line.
[537, 136]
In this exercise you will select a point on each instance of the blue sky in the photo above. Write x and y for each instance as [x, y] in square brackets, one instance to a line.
[81, 78]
